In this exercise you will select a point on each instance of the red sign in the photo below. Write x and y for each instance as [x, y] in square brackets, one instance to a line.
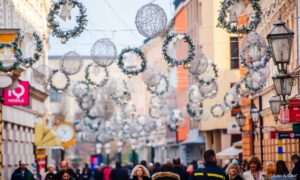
[19, 96]
[41, 163]
[284, 135]
[294, 110]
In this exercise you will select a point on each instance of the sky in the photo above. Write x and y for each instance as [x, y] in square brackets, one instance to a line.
[105, 22]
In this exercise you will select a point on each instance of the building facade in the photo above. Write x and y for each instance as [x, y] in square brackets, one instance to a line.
[18, 122]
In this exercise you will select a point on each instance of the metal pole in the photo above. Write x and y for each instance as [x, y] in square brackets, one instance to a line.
[261, 125]
[252, 131]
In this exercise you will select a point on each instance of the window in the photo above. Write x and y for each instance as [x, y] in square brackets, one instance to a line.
[234, 52]
[54, 96]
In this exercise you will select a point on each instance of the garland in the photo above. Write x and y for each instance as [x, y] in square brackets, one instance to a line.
[174, 62]
[132, 71]
[248, 85]
[212, 111]
[232, 103]
[56, 88]
[153, 90]
[80, 103]
[229, 27]
[17, 54]
[214, 92]
[263, 61]
[89, 81]
[28, 62]
[216, 75]
[194, 113]
[65, 35]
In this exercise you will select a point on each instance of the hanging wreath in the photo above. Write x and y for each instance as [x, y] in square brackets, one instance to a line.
[208, 88]
[89, 79]
[262, 63]
[157, 90]
[192, 112]
[28, 62]
[59, 88]
[7, 54]
[211, 74]
[86, 102]
[217, 111]
[81, 20]
[229, 27]
[252, 83]
[172, 39]
[132, 71]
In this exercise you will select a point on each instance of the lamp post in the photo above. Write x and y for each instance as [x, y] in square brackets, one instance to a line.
[275, 104]
[240, 119]
[280, 40]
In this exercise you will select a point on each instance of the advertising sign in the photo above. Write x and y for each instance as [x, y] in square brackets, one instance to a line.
[19, 96]
[294, 110]
[284, 135]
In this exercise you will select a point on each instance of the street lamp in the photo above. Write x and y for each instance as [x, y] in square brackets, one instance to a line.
[283, 85]
[254, 113]
[275, 103]
[281, 39]
[240, 119]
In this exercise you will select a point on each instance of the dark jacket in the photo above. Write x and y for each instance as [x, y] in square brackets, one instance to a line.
[238, 177]
[60, 174]
[165, 176]
[98, 175]
[181, 172]
[18, 175]
[296, 170]
[144, 178]
[86, 174]
[50, 176]
[210, 172]
[119, 173]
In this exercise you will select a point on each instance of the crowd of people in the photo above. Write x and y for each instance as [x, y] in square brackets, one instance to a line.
[173, 170]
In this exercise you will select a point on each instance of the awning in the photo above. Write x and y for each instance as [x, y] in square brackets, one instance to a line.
[45, 137]
[228, 153]
[195, 140]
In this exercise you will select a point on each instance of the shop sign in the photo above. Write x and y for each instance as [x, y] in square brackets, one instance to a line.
[41, 163]
[233, 128]
[19, 96]
[40, 153]
[285, 135]
[294, 110]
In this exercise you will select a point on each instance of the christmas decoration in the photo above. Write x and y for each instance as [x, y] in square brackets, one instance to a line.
[151, 20]
[65, 12]
[132, 70]
[9, 51]
[231, 27]
[104, 52]
[171, 40]
[161, 88]
[96, 75]
[59, 81]
[71, 63]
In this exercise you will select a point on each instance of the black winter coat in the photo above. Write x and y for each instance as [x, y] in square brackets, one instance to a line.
[119, 173]
[17, 175]
[60, 174]
[50, 176]
[181, 172]
[238, 177]
[296, 170]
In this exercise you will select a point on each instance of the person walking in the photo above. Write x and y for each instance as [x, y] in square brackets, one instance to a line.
[140, 172]
[166, 173]
[119, 173]
[281, 170]
[179, 169]
[255, 170]
[233, 172]
[50, 175]
[296, 170]
[99, 172]
[86, 173]
[64, 167]
[210, 171]
[22, 173]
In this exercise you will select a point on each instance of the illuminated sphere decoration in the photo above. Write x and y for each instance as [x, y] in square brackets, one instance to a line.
[151, 20]
[41, 74]
[71, 63]
[104, 52]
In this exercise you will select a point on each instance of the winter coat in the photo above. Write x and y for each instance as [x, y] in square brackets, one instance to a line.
[98, 175]
[86, 174]
[210, 172]
[60, 174]
[106, 173]
[248, 176]
[50, 176]
[18, 175]
[165, 176]
[181, 172]
[119, 173]
[238, 177]
[296, 170]
[144, 178]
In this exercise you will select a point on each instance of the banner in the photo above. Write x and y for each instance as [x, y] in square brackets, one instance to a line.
[19, 96]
